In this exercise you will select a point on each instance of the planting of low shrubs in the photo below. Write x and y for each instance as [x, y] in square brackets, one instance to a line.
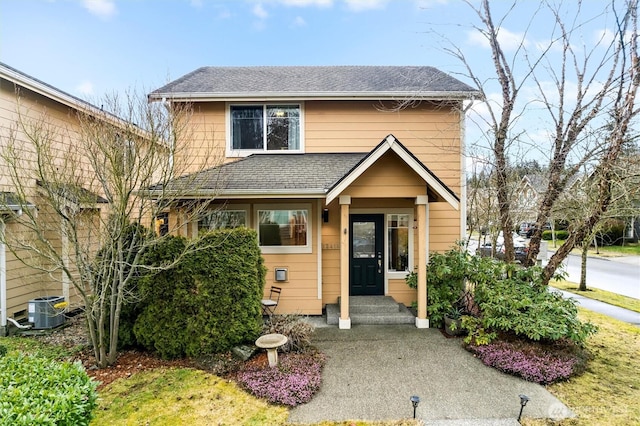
[3, 350]
[209, 302]
[560, 235]
[531, 362]
[38, 391]
[516, 302]
[292, 382]
[297, 330]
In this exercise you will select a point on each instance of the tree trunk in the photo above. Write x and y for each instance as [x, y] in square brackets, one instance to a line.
[583, 266]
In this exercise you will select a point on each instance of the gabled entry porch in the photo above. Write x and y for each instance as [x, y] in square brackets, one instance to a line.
[388, 187]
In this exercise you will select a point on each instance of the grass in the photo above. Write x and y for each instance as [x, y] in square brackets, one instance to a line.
[182, 396]
[601, 295]
[37, 348]
[609, 390]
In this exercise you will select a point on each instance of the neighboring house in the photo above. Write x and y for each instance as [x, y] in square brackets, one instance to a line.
[28, 100]
[348, 191]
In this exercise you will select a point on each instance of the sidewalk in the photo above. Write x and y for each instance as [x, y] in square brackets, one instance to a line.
[604, 308]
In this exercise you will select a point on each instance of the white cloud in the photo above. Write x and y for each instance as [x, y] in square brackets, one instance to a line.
[299, 22]
[508, 40]
[85, 88]
[360, 5]
[104, 9]
[260, 12]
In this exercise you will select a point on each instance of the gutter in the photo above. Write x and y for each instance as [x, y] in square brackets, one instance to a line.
[310, 96]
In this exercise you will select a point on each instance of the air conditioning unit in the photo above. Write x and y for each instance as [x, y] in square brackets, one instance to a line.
[43, 314]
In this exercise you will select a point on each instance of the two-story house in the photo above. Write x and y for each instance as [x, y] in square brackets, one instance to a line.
[350, 175]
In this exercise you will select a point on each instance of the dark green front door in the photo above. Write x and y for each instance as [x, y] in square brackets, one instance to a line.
[366, 276]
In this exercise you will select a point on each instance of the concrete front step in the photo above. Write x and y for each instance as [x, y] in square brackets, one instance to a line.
[363, 311]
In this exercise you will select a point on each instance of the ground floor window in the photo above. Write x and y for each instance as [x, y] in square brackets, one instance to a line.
[223, 219]
[398, 242]
[284, 229]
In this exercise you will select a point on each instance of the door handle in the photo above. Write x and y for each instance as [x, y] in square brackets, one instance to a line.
[379, 265]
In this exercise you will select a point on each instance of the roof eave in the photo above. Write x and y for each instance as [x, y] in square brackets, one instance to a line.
[262, 96]
[237, 193]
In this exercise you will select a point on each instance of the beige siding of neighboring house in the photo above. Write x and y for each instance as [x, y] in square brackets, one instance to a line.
[61, 126]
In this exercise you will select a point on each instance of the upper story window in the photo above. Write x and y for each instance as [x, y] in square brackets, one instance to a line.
[264, 128]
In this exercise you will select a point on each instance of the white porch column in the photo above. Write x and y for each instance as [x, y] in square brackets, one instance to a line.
[344, 321]
[421, 212]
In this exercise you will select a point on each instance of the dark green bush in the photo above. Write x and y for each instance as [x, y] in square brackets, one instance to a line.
[446, 274]
[209, 302]
[297, 330]
[515, 301]
[3, 350]
[38, 391]
[560, 235]
[611, 234]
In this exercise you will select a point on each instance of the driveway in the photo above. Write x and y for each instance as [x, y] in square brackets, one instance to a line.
[372, 371]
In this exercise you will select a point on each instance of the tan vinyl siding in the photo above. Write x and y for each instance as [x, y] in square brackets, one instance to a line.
[59, 125]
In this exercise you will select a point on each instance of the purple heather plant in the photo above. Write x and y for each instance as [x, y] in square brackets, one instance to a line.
[293, 381]
[535, 366]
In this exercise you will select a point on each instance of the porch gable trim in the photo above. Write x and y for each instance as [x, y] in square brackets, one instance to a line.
[391, 143]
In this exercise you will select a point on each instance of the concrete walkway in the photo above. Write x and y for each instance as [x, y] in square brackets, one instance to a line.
[372, 371]
[603, 308]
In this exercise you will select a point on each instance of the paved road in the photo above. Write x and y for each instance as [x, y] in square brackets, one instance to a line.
[618, 275]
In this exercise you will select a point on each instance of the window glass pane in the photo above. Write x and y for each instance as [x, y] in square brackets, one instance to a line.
[247, 127]
[282, 227]
[398, 228]
[223, 219]
[283, 127]
[364, 239]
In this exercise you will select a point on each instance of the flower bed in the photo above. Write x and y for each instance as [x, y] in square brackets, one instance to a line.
[293, 381]
[534, 362]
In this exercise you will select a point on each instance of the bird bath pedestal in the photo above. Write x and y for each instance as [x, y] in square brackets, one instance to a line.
[271, 342]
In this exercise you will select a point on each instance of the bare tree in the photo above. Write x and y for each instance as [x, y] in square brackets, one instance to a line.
[625, 78]
[588, 85]
[88, 225]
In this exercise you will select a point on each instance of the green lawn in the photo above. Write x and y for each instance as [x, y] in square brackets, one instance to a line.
[608, 392]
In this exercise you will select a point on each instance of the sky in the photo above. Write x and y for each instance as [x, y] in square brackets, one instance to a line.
[90, 48]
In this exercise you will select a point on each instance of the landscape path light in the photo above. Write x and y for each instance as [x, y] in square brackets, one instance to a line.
[415, 400]
[523, 401]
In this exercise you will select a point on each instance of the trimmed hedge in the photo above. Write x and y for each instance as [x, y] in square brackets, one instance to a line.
[560, 235]
[38, 391]
[209, 302]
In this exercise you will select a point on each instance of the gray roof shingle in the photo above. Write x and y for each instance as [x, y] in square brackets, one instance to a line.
[273, 173]
[314, 81]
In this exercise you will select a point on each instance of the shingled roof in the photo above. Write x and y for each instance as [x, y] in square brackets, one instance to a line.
[310, 82]
[310, 175]
[264, 174]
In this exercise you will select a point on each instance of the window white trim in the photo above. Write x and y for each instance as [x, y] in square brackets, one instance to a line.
[229, 152]
[307, 248]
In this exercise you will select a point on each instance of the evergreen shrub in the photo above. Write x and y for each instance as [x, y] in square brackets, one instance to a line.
[560, 235]
[39, 391]
[209, 302]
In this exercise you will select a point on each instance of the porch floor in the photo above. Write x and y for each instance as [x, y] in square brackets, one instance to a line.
[372, 310]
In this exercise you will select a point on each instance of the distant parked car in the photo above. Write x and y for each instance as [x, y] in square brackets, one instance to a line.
[520, 251]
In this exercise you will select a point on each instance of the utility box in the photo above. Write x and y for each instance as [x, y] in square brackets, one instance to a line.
[43, 314]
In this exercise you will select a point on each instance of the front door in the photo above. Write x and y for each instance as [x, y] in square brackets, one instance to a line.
[366, 276]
